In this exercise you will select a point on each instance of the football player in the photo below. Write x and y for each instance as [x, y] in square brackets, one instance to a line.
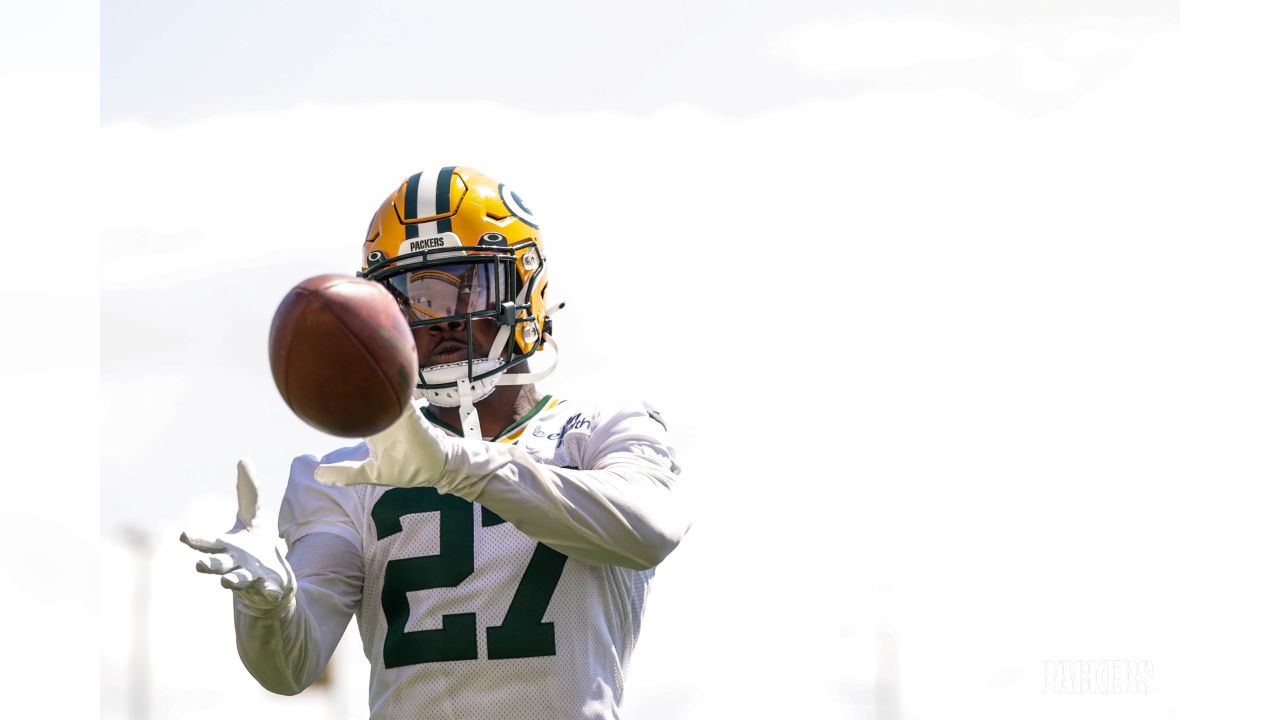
[495, 544]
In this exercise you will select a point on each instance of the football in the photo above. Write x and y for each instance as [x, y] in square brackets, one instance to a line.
[342, 355]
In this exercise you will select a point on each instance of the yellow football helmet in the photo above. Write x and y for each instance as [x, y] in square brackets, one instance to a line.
[456, 246]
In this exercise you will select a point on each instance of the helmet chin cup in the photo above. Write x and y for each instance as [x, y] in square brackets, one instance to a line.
[452, 373]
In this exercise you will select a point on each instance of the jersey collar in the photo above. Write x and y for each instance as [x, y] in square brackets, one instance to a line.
[512, 431]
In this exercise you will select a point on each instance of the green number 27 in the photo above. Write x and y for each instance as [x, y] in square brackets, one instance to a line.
[522, 632]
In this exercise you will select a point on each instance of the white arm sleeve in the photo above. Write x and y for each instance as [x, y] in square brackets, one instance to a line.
[621, 508]
[286, 648]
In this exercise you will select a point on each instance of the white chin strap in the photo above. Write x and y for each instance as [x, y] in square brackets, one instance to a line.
[465, 394]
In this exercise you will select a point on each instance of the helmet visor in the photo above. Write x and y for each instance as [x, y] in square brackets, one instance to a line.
[440, 292]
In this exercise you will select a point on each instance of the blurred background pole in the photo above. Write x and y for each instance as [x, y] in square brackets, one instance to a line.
[888, 701]
[140, 652]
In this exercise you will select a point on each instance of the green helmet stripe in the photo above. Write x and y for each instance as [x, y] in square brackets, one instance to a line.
[444, 181]
[411, 206]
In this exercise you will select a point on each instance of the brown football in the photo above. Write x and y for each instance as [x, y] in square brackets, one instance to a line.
[342, 355]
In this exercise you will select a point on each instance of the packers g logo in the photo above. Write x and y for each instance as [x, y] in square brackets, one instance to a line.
[517, 206]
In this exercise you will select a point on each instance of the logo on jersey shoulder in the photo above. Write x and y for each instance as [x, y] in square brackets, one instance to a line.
[538, 432]
[575, 422]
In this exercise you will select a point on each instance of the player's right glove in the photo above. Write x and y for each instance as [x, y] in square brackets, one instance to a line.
[247, 556]
[410, 453]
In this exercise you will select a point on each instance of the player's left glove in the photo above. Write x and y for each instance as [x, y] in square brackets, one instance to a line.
[410, 453]
[247, 557]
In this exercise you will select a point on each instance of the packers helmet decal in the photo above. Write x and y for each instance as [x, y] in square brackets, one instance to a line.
[516, 206]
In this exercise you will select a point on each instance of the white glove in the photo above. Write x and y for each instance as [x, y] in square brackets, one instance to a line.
[410, 453]
[247, 556]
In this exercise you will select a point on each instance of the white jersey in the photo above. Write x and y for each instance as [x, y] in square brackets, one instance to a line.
[464, 615]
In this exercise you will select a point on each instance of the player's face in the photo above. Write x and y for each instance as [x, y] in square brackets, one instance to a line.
[445, 291]
[443, 343]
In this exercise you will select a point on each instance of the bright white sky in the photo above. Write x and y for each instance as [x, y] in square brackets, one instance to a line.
[962, 314]
[166, 62]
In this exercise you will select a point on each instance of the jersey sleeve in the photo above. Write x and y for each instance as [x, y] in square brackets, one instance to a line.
[311, 507]
[287, 647]
[634, 434]
[618, 507]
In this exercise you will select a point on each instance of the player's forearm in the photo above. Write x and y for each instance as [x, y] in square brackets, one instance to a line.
[287, 648]
[617, 516]
[624, 514]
